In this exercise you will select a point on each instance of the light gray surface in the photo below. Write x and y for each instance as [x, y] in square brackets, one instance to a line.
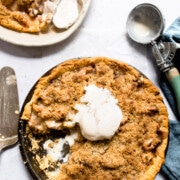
[103, 33]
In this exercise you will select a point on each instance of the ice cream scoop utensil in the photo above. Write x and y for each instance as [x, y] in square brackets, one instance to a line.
[145, 25]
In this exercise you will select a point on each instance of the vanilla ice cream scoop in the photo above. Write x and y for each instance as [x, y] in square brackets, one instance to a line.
[66, 14]
[98, 116]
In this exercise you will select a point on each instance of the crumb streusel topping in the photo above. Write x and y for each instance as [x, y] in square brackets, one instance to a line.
[136, 151]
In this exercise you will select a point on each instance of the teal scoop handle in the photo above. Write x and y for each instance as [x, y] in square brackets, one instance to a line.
[173, 77]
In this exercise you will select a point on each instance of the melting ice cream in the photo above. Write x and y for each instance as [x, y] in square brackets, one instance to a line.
[99, 115]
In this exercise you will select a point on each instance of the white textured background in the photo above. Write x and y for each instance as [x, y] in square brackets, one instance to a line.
[103, 33]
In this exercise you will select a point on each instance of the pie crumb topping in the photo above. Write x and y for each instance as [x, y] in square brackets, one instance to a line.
[136, 151]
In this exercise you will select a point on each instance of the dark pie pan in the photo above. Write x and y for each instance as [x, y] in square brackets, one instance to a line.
[25, 144]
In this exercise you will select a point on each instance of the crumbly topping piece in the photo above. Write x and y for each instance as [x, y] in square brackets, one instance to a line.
[15, 19]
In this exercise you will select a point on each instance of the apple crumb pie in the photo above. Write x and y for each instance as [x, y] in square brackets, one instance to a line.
[136, 150]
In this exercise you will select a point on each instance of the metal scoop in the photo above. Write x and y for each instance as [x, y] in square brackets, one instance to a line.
[145, 25]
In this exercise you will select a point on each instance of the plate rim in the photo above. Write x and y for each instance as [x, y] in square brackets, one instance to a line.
[42, 39]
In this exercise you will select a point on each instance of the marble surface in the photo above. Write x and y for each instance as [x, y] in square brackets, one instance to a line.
[102, 33]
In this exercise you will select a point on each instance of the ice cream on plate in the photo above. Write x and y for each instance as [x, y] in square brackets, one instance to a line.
[34, 16]
[66, 14]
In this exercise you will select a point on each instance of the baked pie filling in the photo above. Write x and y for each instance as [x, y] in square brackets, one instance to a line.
[137, 148]
[34, 16]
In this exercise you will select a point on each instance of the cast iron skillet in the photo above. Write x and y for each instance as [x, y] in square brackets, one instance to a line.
[25, 144]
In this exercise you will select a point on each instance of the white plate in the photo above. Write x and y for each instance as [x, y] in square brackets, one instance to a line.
[42, 39]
